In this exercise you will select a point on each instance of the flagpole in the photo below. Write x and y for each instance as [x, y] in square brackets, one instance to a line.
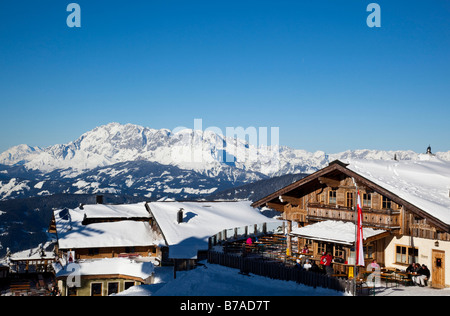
[355, 206]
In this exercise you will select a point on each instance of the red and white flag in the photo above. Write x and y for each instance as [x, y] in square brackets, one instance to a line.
[359, 236]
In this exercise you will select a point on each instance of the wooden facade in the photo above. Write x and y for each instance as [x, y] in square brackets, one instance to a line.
[117, 252]
[331, 193]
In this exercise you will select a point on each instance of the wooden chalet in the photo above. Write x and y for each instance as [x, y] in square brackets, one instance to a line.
[107, 231]
[102, 277]
[153, 233]
[35, 260]
[406, 204]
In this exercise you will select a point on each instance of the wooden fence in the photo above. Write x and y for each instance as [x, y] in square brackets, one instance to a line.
[278, 270]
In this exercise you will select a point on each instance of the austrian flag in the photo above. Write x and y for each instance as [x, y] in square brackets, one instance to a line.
[359, 236]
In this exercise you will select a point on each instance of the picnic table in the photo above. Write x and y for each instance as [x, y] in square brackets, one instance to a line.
[362, 285]
[339, 275]
[406, 277]
[389, 277]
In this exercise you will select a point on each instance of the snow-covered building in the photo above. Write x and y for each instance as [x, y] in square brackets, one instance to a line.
[152, 232]
[106, 231]
[187, 226]
[102, 277]
[406, 206]
[164, 230]
[33, 260]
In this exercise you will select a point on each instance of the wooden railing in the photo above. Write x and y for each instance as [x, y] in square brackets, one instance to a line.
[278, 270]
[386, 219]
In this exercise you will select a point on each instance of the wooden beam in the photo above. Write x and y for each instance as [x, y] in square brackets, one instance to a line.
[291, 200]
[329, 182]
[275, 206]
[379, 236]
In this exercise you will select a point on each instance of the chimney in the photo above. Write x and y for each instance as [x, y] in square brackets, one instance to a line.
[180, 216]
[99, 199]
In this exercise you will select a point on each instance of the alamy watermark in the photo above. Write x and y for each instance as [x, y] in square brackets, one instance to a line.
[374, 18]
[74, 18]
[74, 277]
[237, 146]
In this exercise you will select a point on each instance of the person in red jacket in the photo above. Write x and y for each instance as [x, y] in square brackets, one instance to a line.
[326, 261]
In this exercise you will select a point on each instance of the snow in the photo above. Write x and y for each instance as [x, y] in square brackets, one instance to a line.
[73, 234]
[39, 185]
[116, 211]
[198, 150]
[216, 280]
[334, 231]
[201, 220]
[46, 252]
[108, 266]
[12, 187]
[16, 154]
[424, 183]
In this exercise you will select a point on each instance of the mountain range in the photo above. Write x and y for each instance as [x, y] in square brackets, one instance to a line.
[139, 161]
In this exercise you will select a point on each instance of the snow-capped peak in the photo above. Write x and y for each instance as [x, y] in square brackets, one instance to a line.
[197, 150]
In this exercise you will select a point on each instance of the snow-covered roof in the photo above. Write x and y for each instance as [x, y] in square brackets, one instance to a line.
[201, 220]
[42, 252]
[116, 211]
[108, 266]
[334, 231]
[424, 183]
[72, 234]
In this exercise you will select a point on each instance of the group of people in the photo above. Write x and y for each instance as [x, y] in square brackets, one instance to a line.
[310, 265]
[421, 273]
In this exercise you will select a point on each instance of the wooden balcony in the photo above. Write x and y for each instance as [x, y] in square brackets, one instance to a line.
[380, 219]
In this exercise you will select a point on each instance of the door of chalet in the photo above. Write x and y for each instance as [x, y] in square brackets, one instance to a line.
[438, 269]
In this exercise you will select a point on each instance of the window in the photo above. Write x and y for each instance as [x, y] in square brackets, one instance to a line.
[96, 289]
[72, 291]
[332, 197]
[321, 247]
[93, 251]
[339, 251]
[387, 203]
[368, 252]
[349, 199]
[310, 243]
[406, 255]
[113, 288]
[413, 255]
[128, 284]
[367, 200]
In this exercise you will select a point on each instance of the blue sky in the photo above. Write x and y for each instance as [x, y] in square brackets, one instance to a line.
[312, 68]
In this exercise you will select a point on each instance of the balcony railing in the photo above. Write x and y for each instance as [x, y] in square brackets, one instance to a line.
[385, 219]
[243, 232]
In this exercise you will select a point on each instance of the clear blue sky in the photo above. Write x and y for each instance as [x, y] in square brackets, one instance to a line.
[312, 68]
